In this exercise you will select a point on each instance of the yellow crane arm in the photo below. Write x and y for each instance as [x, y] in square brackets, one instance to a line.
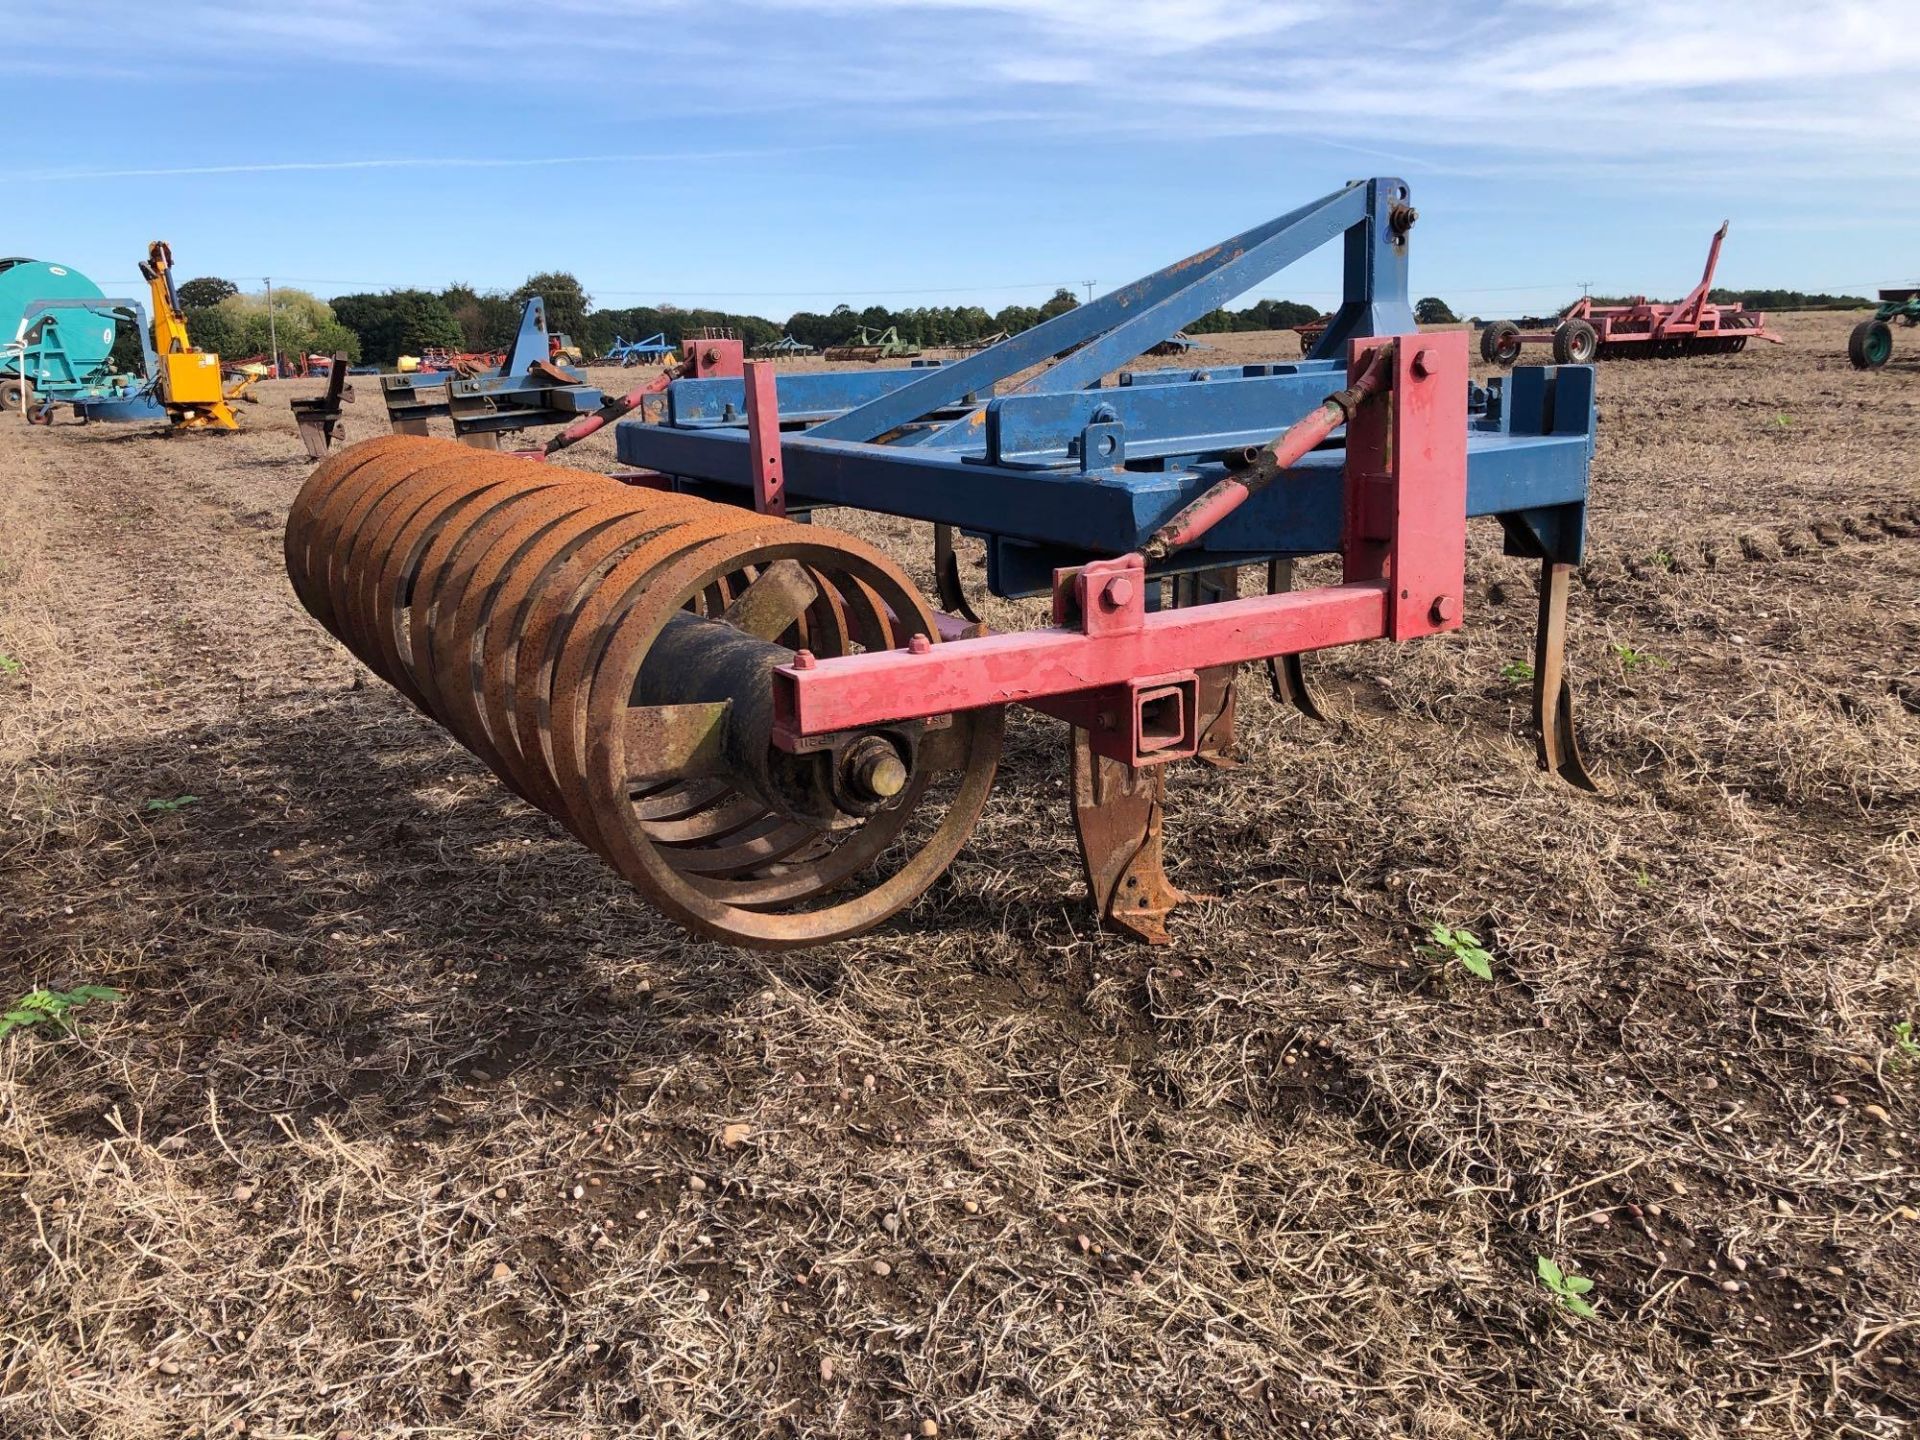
[189, 379]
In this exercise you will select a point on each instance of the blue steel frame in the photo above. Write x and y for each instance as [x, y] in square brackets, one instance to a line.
[1063, 468]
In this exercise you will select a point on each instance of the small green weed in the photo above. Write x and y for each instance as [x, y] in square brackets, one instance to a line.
[179, 802]
[1631, 659]
[1905, 1048]
[1782, 422]
[1569, 1290]
[1461, 945]
[1663, 559]
[8, 665]
[1516, 672]
[53, 1007]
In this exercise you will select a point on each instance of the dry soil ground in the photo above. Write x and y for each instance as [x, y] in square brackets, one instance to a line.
[411, 1120]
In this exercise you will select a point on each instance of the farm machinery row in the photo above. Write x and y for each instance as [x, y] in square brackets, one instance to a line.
[766, 727]
[64, 331]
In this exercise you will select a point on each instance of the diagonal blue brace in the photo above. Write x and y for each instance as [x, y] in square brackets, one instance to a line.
[1127, 322]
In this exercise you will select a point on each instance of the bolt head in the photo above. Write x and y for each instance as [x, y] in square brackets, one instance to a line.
[803, 660]
[1443, 609]
[1118, 591]
[919, 645]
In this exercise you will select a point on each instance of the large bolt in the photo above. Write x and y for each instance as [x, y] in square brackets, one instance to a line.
[1442, 609]
[1118, 591]
[919, 644]
[874, 769]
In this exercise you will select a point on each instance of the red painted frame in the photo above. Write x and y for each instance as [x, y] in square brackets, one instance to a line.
[1405, 570]
[763, 439]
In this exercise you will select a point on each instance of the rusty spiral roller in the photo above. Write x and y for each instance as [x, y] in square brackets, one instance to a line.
[607, 650]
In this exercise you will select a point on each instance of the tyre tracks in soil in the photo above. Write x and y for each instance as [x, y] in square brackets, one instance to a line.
[162, 573]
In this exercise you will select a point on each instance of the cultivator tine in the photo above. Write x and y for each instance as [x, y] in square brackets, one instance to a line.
[1217, 704]
[1285, 673]
[1556, 737]
[946, 575]
[1118, 811]
[1218, 708]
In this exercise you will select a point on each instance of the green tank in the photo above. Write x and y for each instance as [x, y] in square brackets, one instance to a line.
[85, 336]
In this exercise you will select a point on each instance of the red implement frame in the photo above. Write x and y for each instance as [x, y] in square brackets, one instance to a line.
[763, 439]
[1141, 689]
[1405, 548]
[1647, 327]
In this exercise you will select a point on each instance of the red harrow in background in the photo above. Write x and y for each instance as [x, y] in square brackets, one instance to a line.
[1643, 330]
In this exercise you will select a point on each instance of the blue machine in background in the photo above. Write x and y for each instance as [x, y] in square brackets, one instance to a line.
[527, 388]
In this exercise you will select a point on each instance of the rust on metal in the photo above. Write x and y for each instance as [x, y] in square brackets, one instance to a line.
[1555, 735]
[608, 650]
[1118, 812]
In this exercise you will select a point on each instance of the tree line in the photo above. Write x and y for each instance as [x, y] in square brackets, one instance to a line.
[382, 326]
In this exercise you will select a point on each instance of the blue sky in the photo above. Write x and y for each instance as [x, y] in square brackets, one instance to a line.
[774, 155]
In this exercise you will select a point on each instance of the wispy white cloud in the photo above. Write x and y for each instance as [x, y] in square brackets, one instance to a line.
[1543, 113]
[423, 162]
[1757, 84]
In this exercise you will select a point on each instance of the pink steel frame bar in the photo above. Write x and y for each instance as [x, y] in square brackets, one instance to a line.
[1404, 546]
[763, 439]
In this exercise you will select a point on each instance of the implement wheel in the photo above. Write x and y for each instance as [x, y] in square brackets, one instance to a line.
[13, 390]
[1500, 343]
[1575, 343]
[1871, 345]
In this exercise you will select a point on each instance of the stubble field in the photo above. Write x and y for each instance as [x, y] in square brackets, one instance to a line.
[413, 1120]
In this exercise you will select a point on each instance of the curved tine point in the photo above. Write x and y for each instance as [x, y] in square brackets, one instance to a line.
[1559, 743]
[1287, 677]
[946, 576]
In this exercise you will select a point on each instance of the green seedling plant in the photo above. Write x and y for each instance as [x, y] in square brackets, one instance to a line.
[1663, 559]
[53, 1008]
[1631, 659]
[1516, 672]
[1569, 1289]
[179, 802]
[1461, 945]
[1906, 1049]
[8, 665]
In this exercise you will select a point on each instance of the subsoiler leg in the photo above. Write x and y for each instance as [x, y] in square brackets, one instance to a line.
[1118, 811]
[1557, 740]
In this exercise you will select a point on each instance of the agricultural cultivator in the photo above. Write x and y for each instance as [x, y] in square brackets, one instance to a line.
[1642, 330]
[318, 417]
[872, 345]
[785, 348]
[1871, 344]
[527, 387]
[654, 350]
[764, 726]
